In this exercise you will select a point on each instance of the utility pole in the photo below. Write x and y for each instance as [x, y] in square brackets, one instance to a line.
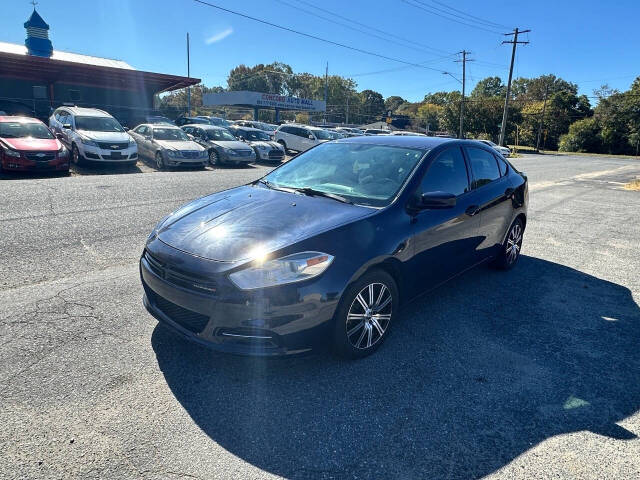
[544, 108]
[326, 90]
[515, 42]
[464, 79]
[347, 119]
[188, 76]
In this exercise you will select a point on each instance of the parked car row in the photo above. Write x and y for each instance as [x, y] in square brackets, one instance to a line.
[76, 134]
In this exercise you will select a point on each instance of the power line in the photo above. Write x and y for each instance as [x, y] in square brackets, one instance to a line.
[429, 9]
[488, 22]
[314, 37]
[385, 38]
[387, 34]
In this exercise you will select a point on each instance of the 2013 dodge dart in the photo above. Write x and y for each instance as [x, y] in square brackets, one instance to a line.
[326, 248]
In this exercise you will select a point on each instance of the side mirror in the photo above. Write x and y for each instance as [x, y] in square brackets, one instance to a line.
[147, 137]
[436, 200]
[59, 136]
[311, 137]
[67, 126]
[126, 129]
[191, 137]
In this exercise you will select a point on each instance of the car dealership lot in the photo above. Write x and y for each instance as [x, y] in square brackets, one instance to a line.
[529, 373]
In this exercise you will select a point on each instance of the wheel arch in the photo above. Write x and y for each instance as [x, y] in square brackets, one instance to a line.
[390, 265]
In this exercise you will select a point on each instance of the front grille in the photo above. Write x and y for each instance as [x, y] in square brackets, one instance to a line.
[190, 320]
[178, 278]
[113, 145]
[276, 153]
[244, 153]
[189, 154]
[40, 156]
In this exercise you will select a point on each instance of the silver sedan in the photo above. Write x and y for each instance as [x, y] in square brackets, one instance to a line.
[168, 146]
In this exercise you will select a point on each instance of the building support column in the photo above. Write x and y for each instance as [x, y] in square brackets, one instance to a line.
[255, 113]
[277, 115]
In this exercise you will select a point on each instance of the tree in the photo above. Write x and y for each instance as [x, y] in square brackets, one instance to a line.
[489, 87]
[270, 78]
[429, 113]
[583, 136]
[371, 105]
[392, 103]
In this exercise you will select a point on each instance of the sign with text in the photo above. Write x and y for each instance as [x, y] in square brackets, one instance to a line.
[262, 100]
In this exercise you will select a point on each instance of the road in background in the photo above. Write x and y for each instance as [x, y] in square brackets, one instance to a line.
[529, 373]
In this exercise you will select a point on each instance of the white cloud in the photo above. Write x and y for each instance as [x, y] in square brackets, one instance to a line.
[219, 36]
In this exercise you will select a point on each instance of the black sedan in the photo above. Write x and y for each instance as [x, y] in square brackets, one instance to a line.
[327, 247]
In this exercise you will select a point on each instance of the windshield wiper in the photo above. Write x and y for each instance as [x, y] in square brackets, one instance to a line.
[312, 192]
[271, 186]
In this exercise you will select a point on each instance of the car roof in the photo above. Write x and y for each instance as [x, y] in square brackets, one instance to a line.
[206, 126]
[407, 141]
[9, 118]
[85, 112]
[162, 125]
[248, 129]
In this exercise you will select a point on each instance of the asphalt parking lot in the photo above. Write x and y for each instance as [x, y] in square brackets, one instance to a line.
[533, 373]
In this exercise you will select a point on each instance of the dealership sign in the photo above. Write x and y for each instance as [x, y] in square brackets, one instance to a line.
[262, 100]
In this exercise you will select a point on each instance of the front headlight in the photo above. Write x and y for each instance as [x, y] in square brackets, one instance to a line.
[289, 269]
[63, 150]
[88, 141]
[263, 148]
[132, 142]
[11, 153]
[171, 153]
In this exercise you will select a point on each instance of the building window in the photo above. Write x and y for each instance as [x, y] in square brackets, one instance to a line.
[74, 95]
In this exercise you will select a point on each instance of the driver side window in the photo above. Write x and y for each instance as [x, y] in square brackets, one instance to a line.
[447, 173]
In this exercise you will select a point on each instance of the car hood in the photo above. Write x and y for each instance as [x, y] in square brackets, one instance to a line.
[234, 144]
[243, 222]
[105, 136]
[179, 145]
[32, 144]
[260, 143]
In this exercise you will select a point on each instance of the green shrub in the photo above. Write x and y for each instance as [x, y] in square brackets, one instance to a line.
[583, 136]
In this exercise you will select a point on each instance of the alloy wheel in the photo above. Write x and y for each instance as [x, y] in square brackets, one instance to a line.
[213, 157]
[514, 243]
[369, 316]
[159, 161]
[75, 155]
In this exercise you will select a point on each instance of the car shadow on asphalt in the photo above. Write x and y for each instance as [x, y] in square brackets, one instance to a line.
[473, 375]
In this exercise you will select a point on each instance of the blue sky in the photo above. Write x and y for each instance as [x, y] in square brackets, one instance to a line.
[587, 42]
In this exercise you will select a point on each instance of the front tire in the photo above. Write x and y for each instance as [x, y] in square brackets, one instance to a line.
[365, 314]
[510, 250]
[75, 155]
[159, 161]
[214, 158]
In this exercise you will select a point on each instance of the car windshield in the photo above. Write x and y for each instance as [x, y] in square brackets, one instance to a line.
[220, 135]
[171, 134]
[322, 135]
[256, 135]
[98, 124]
[22, 130]
[368, 175]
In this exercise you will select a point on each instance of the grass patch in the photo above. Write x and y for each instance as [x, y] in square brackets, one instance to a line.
[633, 185]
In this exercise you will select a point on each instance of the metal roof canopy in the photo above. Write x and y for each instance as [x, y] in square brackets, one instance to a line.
[82, 69]
[243, 98]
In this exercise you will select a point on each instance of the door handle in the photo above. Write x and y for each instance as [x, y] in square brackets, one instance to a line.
[472, 210]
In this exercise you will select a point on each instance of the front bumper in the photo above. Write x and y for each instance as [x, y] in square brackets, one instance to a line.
[229, 158]
[275, 154]
[23, 164]
[286, 320]
[97, 154]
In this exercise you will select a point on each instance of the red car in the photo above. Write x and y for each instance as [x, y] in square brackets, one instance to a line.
[27, 144]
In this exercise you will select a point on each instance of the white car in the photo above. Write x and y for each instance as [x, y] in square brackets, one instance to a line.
[92, 134]
[300, 137]
[504, 151]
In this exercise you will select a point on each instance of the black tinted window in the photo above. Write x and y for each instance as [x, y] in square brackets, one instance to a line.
[447, 173]
[504, 168]
[483, 165]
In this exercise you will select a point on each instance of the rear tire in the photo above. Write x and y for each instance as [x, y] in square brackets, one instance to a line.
[365, 314]
[510, 250]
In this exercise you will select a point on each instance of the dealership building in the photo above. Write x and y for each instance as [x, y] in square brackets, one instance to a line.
[258, 101]
[35, 78]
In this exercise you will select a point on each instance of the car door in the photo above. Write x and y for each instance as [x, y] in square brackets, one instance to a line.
[444, 239]
[494, 194]
[306, 142]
